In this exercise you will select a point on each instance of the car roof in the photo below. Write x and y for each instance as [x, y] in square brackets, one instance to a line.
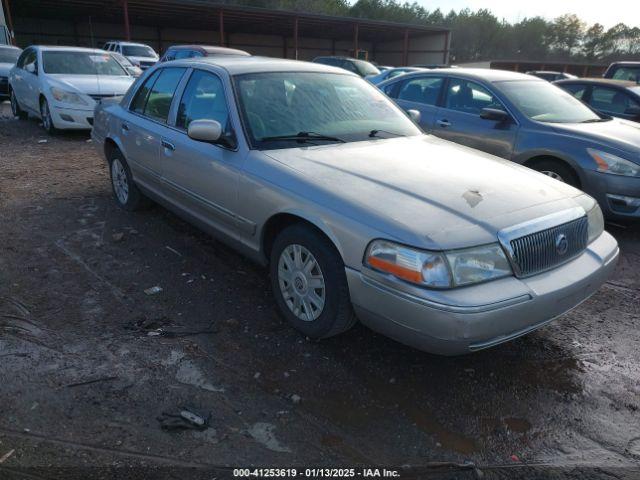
[133, 44]
[599, 81]
[237, 65]
[553, 72]
[58, 48]
[211, 49]
[627, 63]
[486, 74]
[10, 47]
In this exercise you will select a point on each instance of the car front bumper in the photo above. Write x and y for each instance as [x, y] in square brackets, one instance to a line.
[71, 118]
[618, 196]
[464, 320]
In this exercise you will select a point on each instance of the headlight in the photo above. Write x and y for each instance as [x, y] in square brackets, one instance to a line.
[596, 222]
[454, 268]
[63, 96]
[609, 163]
[416, 266]
[478, 264]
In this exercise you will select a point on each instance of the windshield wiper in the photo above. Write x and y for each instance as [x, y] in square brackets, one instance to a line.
[303, 137]
[596, 120]
[374, 133]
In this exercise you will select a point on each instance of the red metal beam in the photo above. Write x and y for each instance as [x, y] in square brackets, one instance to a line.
[356, 30]
[127, 28]
[10, 22]
[295, 38]
[405, 50]
[221, 27]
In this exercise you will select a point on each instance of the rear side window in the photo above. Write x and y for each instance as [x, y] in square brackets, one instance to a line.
[611, 100]
[160, 95]
[421, 90]
[137, 105]
[469, 97]
[203, 99]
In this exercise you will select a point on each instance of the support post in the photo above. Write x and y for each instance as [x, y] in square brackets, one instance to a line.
[221, 27]
[125, 11]
[447, 47]
[12, 32]
[160, 41]
[405, 49]
[295, 37]
[356, 29]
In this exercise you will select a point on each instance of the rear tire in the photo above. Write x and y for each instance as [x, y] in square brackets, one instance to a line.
[15, 107]
[126, 193]
[309, 283]
[557, 170]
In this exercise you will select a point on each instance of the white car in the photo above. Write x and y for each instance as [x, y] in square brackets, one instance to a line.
[139, 54]
[61, 85]
[8, 57]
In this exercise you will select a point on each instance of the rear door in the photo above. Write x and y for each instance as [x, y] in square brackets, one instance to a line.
[421, 94]
[203, 177]
[141, 129]
[459, 119]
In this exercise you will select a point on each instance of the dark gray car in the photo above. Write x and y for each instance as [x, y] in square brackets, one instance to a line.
[531, 122]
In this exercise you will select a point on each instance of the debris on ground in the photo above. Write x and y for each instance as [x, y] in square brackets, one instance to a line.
[295, 398]
[153, 290]
[173, 250]
[44, 140]
[91, 381]
[186, 418]
[117, 237]
[262, 433]
[6, 456]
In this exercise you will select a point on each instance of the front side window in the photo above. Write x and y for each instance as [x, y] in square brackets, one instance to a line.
[161, 94]
[469, 97]
[423, 90]
[203, 98]
[577, 90]
[544, 102]
[22, 60]
[81, 63]
[285, 104]
[611, 100]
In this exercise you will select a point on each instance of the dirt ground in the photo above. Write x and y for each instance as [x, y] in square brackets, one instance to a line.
[89, 361]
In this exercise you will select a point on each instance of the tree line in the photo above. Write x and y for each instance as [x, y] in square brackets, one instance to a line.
[480, 35]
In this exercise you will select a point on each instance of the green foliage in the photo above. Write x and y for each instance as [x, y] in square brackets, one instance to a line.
[480, 35]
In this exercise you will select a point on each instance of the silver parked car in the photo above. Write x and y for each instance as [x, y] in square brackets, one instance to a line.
[313, 171]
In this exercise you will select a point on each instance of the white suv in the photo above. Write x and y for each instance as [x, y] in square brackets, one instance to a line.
[139, 54]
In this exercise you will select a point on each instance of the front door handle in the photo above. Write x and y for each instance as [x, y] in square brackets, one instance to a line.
[125, 127]
[443, 123]
[168, 145]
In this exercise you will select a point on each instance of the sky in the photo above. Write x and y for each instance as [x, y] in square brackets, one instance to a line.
[607, 13]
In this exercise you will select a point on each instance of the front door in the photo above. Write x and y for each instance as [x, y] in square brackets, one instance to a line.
[202, 177]
[421, 94]
[459, 119]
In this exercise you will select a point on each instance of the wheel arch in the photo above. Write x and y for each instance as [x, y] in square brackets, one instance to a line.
[281, 220]
[533, 160]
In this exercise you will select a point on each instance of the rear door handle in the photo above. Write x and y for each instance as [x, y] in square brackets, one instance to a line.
[168, 145]
[443, 123]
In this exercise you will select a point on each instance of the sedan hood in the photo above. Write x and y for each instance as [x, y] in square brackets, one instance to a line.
[95, 84]
[421, 189]
[617, 133]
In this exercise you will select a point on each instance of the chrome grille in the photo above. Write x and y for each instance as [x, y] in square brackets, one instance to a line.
[543, 250]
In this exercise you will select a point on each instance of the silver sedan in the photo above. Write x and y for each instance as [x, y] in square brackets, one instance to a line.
[359, 215]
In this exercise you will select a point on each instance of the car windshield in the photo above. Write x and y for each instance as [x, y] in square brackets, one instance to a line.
[9, 55]
[277, 107]
[627, 73]
[544, 102]
[81, 63]
[137, 51]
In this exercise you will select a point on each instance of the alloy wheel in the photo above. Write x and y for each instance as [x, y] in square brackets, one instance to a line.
[301, 282]
[14, 105]
[120, 181]
[45, 115]
[552, 174]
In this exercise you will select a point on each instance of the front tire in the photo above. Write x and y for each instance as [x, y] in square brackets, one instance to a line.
[558, 171]
[45, 116]
[15, 107]
[309, 283]
[126, 193]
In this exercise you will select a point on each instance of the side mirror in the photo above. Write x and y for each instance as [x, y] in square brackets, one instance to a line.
[30, 67]
[634, 111]
[494, 114]
[205, 130]
[414, 115]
